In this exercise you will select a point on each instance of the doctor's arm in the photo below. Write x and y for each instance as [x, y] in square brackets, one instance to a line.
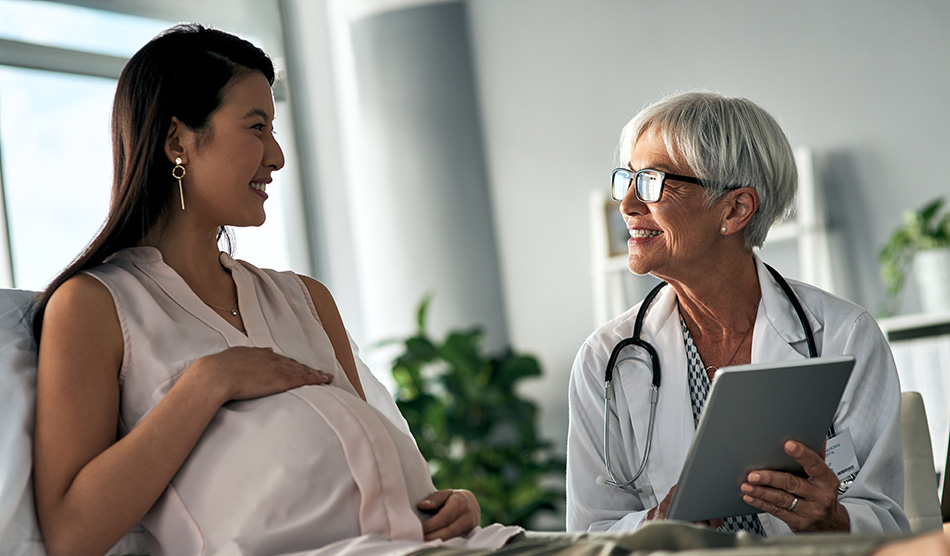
[870, 410]
[592, 506]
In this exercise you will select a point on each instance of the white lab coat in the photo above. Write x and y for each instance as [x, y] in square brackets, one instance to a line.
[870, 408]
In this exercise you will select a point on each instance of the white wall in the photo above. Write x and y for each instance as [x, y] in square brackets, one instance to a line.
[422, 212]
[865, 83]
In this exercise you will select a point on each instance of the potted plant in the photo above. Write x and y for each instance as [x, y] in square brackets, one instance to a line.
[473, 427]
[923, 241]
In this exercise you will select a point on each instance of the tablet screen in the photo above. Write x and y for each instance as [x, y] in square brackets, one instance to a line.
[750, 412]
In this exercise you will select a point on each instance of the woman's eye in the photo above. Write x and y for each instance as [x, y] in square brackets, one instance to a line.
[259, 127]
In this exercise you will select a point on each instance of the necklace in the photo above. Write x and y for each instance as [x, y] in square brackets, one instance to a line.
[745, 334]
[232, 310]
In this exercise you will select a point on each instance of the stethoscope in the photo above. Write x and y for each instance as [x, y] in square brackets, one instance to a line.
[635, 340]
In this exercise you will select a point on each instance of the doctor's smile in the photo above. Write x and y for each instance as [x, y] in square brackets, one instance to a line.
[637, 235]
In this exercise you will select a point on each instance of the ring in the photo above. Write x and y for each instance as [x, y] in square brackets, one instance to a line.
[794, 504]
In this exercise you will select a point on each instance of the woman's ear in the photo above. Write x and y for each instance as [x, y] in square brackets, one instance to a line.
[740, 206]
[178, 140]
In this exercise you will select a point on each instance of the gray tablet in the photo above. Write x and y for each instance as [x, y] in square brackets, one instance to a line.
[750, 412]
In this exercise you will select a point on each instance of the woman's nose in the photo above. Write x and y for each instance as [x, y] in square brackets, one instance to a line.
[274, 155]
[631, 204]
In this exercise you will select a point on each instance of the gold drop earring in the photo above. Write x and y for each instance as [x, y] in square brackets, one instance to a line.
[178, 172]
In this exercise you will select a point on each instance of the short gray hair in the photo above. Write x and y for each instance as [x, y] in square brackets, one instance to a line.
[727, 143]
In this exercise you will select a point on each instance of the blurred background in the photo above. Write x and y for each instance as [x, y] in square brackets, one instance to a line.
[463, 147]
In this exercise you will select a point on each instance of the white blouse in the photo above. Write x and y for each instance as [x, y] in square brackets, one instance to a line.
[314, 470]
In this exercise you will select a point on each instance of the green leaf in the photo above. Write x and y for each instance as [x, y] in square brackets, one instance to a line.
[517, 367]
[421, 313]
[923, 228]
[472, 426]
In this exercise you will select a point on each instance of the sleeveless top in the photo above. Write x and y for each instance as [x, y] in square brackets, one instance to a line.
[313, 470]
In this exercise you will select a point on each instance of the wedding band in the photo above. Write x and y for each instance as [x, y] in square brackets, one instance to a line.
[794, 503]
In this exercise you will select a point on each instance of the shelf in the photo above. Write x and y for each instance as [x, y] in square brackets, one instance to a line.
[916, 326]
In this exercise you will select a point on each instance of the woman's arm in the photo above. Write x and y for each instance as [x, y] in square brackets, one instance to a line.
[333, 325]
[90, 488]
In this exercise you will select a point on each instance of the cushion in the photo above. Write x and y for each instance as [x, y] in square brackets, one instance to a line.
[19, 531]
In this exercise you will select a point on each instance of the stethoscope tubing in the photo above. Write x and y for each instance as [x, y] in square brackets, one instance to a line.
[636, 340]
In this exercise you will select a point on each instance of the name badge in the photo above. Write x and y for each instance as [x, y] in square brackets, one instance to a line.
[840, 457]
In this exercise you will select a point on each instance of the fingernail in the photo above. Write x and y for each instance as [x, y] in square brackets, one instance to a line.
[746, 487]
[754, 477]
[789, 446]
[747, 499]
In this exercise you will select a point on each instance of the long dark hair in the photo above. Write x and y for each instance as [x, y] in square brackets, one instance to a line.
[183, 72]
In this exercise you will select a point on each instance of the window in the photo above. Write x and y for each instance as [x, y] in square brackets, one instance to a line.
[55, 145]
[57, 167]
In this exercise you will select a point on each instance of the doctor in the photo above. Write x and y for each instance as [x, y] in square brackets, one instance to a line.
[703, 179]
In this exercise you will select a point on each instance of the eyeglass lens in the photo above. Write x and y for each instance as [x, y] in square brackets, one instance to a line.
[648, 183]
[619, 183]
[649, 186]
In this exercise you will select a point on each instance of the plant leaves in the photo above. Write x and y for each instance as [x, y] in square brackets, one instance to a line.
[471, 424]
[921, 229]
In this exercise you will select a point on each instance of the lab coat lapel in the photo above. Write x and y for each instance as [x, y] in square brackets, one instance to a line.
[778, 333]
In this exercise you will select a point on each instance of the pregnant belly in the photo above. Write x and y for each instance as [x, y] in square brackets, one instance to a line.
[300, 469]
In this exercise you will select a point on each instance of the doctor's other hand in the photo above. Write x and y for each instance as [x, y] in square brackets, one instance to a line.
[455, 513]
[659, 512]
[809, 504]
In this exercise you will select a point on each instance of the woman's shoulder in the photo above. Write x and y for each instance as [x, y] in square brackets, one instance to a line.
[80, 293]
[281, 278]
[318, 291]
[83, 307]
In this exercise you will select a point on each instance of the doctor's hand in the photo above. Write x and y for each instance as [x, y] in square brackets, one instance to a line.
[456, 512]
[659, 512]
[809, 504]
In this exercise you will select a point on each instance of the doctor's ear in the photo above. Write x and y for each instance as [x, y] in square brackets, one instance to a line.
[739, 207]
[179, 140]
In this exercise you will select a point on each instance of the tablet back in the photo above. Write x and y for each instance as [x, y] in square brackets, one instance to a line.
[750, 412]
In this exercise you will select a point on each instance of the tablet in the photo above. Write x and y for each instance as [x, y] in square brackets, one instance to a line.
[750, 412]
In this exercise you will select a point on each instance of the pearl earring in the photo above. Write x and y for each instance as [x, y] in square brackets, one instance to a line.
[723, 229]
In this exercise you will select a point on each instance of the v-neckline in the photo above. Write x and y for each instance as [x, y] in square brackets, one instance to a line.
[255, 333]
[256, 330]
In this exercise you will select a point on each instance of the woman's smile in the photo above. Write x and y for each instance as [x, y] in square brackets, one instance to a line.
[640, 236]
[260, 188]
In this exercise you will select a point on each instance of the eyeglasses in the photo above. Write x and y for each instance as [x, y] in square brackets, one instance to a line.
[649, 183]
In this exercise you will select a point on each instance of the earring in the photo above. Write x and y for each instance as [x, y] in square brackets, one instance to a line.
[723, 229]
[178, 172]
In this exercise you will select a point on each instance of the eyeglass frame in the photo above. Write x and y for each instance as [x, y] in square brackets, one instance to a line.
[663, 177]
